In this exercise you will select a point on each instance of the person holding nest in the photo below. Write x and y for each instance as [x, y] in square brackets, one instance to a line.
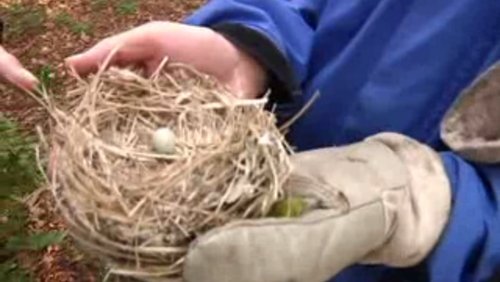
[397, 156]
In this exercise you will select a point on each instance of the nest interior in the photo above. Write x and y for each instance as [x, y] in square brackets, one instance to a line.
[139, 209]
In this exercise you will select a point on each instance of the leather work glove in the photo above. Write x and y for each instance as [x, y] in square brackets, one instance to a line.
[470, 127]
[385, 200]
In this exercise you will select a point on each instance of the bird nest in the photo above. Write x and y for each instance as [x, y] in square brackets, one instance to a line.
[139, 209]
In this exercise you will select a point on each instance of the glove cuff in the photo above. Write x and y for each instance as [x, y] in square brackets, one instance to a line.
[422, 215]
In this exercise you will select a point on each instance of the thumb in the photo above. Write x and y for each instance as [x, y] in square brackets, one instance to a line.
[249, 79]
[131, 48]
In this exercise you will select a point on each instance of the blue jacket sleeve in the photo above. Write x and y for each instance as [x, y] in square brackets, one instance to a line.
[277, 33]
[469, 250]
[470, 247]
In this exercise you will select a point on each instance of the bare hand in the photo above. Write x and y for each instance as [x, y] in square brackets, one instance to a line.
[206, 50]
[12, 71]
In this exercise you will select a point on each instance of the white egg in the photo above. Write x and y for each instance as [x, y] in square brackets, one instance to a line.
[164, 141]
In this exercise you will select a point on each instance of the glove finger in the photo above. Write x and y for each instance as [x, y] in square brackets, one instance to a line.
[276, 250]
[247, 251]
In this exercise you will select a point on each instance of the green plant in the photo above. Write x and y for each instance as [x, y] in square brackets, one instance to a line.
[23, 19]
[34, 242]
[14, 217]
[9, 268]
[46, 76]
[81, 28]
[11, 272]
[127, 7]
[63, 19]
[98, 4]
[18, 171]
[75, 26]
[19, 176]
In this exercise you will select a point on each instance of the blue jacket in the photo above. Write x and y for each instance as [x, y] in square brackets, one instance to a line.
[382, 65]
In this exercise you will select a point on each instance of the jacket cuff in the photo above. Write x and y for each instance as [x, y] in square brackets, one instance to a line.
[281, 78]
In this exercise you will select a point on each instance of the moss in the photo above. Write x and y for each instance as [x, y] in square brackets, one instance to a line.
[22, 20]
[289, 207]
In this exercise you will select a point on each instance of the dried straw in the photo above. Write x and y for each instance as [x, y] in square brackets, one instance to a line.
[137, 209]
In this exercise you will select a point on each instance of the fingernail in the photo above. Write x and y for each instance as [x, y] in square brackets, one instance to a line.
[27, 80]
[73, 58]
[69, 61]
[28, 76]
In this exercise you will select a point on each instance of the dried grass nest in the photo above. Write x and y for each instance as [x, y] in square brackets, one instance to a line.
[138, 209]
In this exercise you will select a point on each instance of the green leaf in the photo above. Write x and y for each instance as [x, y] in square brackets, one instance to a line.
[34, 242]
[46, 76]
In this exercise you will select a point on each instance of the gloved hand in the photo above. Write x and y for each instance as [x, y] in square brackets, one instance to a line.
[200, 47]
[13, 72]
[385, 200]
